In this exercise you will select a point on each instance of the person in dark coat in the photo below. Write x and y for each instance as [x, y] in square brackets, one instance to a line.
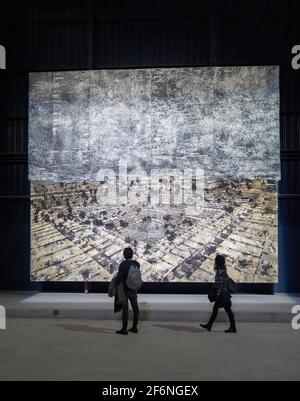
[223, 296]
[130, 294]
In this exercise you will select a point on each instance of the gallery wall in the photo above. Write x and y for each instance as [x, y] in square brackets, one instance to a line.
[80, 35]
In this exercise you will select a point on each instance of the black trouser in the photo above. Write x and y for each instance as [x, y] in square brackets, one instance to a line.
[215, 312]
[136, 311]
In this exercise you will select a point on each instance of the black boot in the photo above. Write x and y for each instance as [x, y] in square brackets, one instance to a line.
[133, 330]
[212, 319]
[122, 331]
[231, 330]
[206, 327]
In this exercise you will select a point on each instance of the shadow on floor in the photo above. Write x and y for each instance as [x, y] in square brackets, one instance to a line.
[185, 329]
[86, 329]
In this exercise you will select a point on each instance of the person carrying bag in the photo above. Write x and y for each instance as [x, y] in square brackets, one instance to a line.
[220, 294]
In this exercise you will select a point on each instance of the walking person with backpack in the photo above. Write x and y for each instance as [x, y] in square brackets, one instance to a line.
[130, 275]
[221, 295]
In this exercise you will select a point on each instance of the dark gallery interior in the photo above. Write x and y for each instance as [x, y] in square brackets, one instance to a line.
[149, 147]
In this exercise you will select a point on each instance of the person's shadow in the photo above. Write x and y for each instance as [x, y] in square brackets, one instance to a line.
[86, 329]
[182, 328]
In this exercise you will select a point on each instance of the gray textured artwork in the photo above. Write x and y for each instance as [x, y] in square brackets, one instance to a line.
[222, 119]
[168, 127]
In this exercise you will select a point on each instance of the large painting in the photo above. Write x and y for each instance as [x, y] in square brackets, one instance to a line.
[181, 164]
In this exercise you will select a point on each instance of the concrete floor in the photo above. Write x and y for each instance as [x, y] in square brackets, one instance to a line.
[57, 349]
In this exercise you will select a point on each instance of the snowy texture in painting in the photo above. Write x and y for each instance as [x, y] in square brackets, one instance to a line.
[224, 120]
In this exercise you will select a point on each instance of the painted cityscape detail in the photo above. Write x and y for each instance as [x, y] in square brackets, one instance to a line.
[74, 238]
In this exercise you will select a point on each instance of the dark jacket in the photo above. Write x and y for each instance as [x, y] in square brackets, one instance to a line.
[123, 274]
[222, 288]
[116, 289]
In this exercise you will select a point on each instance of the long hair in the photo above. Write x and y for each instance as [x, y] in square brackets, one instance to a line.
[220, 263]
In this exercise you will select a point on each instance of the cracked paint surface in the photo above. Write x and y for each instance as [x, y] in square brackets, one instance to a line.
[224, 120]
